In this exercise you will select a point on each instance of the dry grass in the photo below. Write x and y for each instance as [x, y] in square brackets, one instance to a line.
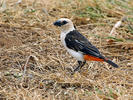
[35, 66]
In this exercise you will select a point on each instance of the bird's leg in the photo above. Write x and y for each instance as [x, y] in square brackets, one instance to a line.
[81, 64]
[78, 67]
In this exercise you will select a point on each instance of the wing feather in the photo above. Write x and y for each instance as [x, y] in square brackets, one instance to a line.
[76, 41]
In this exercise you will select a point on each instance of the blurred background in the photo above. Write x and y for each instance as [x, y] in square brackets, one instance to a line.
[34, 64]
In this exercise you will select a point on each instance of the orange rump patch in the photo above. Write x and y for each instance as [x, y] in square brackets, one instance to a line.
[91, 58]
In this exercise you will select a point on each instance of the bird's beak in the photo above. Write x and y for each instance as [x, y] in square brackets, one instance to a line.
[57, 23]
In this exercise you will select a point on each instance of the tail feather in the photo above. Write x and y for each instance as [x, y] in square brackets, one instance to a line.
[112, 63]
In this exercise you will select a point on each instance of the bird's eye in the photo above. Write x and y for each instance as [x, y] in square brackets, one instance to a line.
[64, 22]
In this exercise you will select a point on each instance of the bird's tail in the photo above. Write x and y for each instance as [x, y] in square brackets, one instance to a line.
[111, 63]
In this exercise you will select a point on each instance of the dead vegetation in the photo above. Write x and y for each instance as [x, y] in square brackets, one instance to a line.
[34, 64]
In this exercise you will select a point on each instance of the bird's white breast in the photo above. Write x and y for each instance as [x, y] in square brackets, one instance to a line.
[77, 55]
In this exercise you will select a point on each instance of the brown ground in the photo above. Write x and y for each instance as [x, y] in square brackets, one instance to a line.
[35, 66]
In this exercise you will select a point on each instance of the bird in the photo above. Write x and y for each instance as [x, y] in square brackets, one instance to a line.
[78, 45]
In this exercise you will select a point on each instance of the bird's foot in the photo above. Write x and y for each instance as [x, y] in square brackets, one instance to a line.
[77, 69]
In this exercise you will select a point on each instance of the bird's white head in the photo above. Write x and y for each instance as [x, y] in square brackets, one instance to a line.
[64, 24]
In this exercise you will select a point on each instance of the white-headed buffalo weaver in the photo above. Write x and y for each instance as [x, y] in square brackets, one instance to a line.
[78, 46]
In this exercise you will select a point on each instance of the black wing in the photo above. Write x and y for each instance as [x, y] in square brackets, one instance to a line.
[76, 41]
